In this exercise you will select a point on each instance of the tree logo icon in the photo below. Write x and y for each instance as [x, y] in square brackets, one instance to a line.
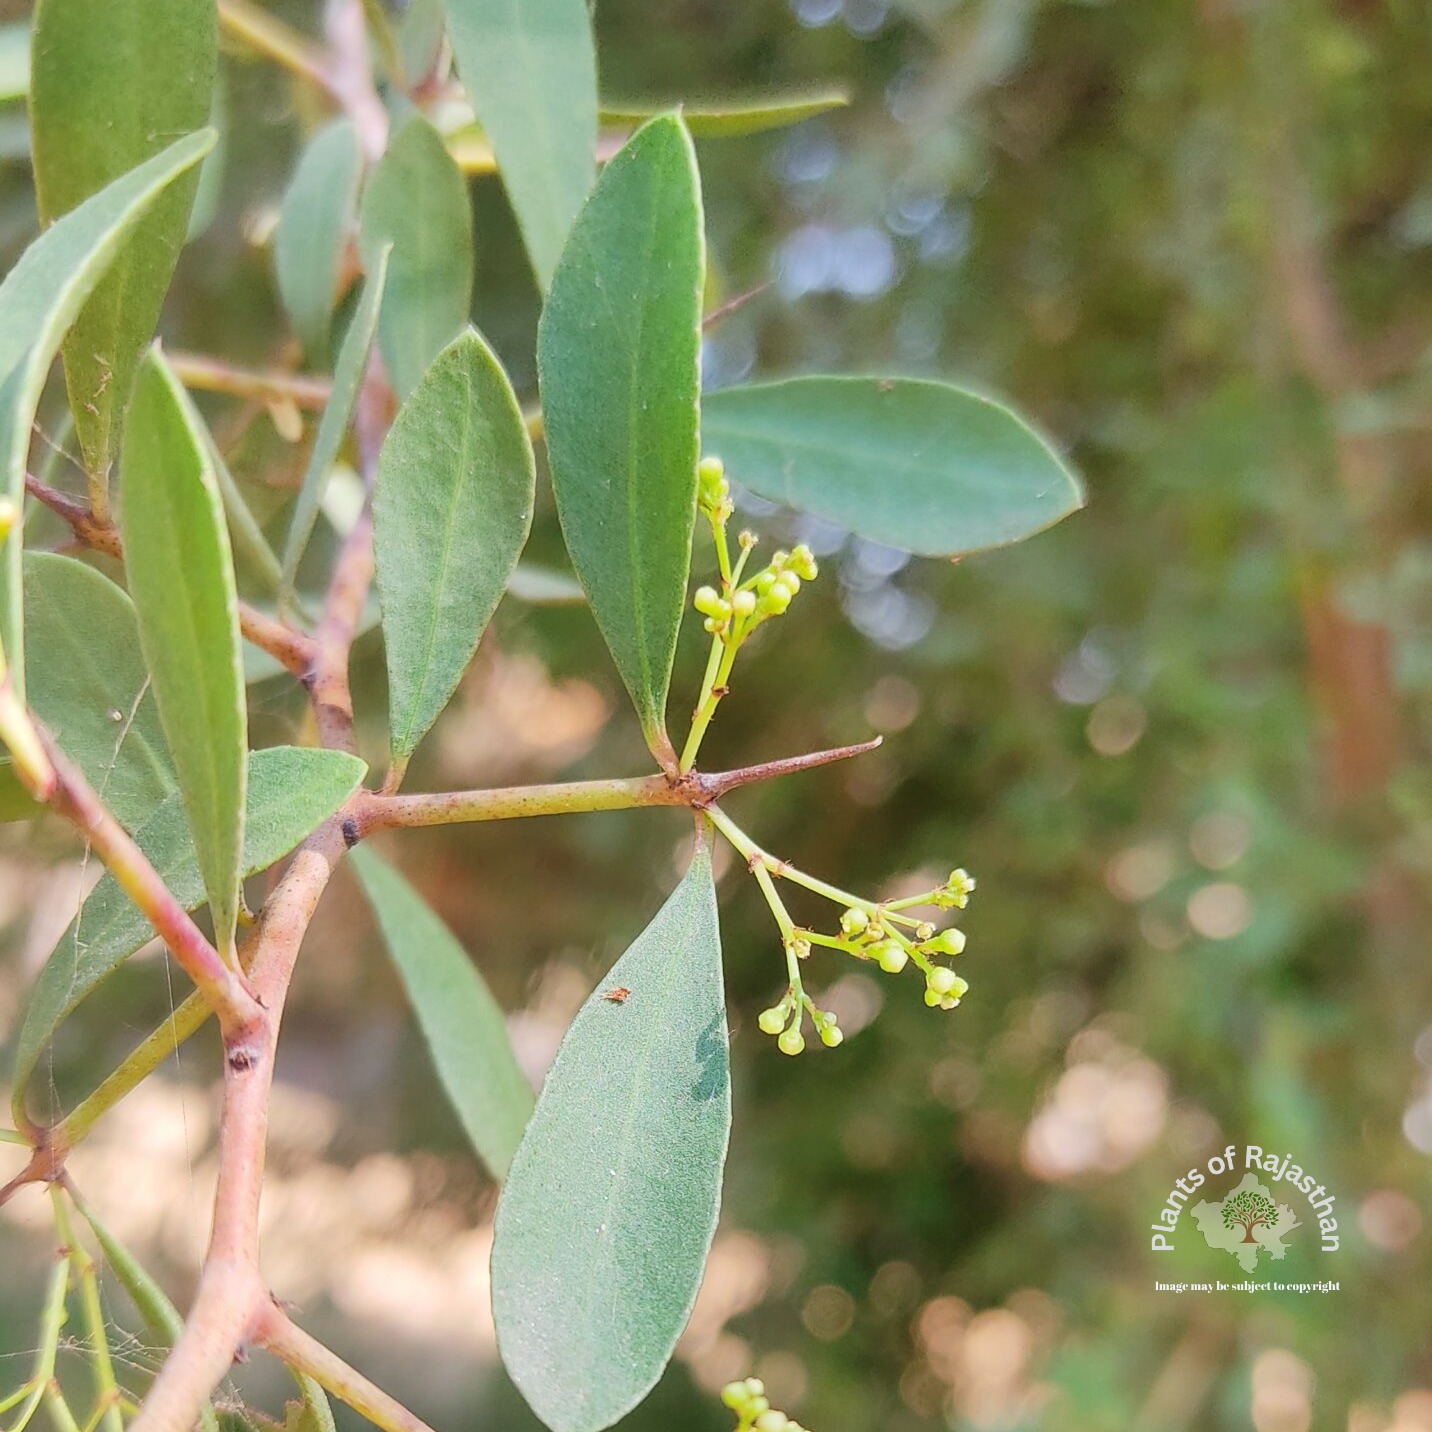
[1249, 1210]
[1247, 1223]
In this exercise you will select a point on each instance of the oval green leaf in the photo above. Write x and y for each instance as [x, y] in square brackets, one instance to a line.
[39, 299]
[604, 1227]
[337, 414]
[417, 202]
[89, 684]
[530, 69]
[291, 791]
[461, 1021]
[451, 512]
[181, 576]
[618, 352]
[923, 466]
[110, 85]
[729, 118]
[314, 222]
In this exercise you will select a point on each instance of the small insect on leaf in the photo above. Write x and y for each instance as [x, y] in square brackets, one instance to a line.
[619, 995]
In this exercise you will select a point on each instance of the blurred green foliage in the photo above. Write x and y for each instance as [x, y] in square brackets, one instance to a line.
[1181, 740]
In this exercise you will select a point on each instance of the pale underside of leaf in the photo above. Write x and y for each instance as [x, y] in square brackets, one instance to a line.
[461, 1021]
[604, 1227]
[918, 465]
[530, 69]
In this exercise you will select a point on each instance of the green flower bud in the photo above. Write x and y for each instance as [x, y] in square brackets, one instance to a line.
[959, 887]
[777, 599]
[708, 602]
[854, 922]
[755, 1386]
[792, 1041]
[710, 470]
[831, 1033]
[789, 581]
[892, 957]
[779, 558]
[949, 1001]
[941, 980]
[772, 1021]
[803, 563]
[773, 1422]
[743, 603]
[933, 998]
[947, 942]
[734, 1395]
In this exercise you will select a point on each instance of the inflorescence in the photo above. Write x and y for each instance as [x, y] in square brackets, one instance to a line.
[882, 933]
[749, 1402]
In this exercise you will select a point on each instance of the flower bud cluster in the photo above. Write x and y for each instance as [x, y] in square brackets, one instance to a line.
[713, 491]
[953, 894]
[737, 612]
[749, 1402]
[783, 1020]
[874, 933]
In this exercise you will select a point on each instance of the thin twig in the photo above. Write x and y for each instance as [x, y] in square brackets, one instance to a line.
[371, 813]
[733, 305]
[279, 1334]
[75, 799]
[327, 681]
[207, 374]
[293, 650]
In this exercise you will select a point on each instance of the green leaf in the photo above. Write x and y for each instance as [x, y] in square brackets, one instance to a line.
[618, 359]
[111, 84]
[460, 1020]
[313, 227]
[530, 69]
[291, 791]
[181, 576]
[337, 414]
[922, 466]
[604, 1226]
[451, 512]
[89, 684]
[39, 299]
[420, 39]
[311, 1412]
[728, 118]
[16, 802]
[417, 201]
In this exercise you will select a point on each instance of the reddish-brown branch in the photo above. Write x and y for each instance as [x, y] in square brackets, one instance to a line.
[224, 988]
[231, 1298]
[327, 679]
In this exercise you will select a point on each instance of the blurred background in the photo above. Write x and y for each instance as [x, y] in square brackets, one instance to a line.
[1181, 740]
